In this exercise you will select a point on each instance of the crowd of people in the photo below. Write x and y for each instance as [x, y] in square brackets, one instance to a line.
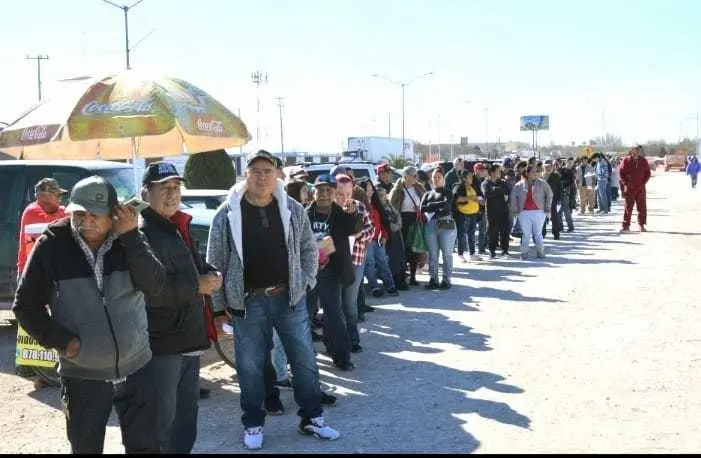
[125, 293]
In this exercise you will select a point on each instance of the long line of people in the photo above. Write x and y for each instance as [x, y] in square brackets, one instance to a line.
[277, 253]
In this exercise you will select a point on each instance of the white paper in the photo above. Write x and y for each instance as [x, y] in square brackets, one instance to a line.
[351, 243]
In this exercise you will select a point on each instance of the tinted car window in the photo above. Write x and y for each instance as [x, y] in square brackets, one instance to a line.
[121, 179]
[359, 173]
[7, 180]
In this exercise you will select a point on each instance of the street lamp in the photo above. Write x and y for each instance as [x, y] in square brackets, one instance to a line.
[126, 9]
[403, 85]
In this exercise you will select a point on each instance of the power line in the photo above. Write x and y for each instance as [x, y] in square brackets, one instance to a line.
[38, 58]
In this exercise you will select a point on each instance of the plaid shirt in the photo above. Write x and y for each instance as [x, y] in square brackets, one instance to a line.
[361, 243]
[96, 260]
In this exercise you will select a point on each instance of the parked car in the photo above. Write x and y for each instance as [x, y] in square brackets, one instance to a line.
[199, 227]
[361, 169]
[203, 198]
[17, 180]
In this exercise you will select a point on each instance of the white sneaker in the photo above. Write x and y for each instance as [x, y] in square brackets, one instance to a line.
[316, 427]
[462, 258]
[253, 438]
[475, 257]
[541, 252]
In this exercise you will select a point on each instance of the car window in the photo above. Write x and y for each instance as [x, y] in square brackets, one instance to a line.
[121, 179]
[194, 202]
[66, 177]
[7, 180]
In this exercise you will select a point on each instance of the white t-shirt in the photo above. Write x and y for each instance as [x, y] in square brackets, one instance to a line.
[615, 176]
[407, 204]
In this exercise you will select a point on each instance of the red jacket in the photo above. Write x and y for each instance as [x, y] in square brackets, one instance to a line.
[634, 172]
[33, 214]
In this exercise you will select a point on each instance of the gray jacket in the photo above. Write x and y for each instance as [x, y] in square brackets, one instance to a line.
[111, 323]
[542, 195]
[225, 250]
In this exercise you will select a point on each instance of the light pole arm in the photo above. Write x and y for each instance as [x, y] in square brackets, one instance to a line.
[418, 78]
[376, 75]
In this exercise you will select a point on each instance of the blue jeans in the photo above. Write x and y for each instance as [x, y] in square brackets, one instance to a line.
[482, 234]
[328, 290]
[279, 358]
[566, 212]
[375, 260]
[602, 191]
[442, 240]
[466, 225]
[177, 394]
[350, 305]
[252, 337]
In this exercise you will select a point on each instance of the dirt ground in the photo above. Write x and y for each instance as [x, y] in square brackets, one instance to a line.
[594, 349]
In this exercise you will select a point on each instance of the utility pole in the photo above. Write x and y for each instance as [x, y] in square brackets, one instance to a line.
[125, 9]
[282, 130]
[39, 58]
[389, 124]
[259, 78]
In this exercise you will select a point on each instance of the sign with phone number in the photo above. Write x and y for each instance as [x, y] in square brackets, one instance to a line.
[30, 353]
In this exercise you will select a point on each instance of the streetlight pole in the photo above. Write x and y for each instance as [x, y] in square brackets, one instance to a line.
[403, 85]
[282, 138]
[125, 9]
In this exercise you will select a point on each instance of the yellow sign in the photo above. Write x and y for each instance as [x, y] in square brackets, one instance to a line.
[30, 353]
[588, 151]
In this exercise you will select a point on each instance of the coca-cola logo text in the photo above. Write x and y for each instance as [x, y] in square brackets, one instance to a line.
[212, 127]
[126, 106]
[35, 134]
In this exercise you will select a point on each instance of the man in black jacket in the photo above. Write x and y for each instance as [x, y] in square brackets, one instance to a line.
[569, 191]
[177, 327]
[496, 195]
[82, 293]
[331, 222]
[552, 176]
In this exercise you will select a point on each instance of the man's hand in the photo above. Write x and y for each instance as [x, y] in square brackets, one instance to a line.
[125, 219]
[209, 283]
[350, 207]
[73, 348]
[219, 322]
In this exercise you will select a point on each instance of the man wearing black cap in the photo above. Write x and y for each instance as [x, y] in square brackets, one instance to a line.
[263, 244]
[92, 271]
[177, 328]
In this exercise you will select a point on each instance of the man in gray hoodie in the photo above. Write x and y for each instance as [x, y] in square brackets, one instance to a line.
[263, 244]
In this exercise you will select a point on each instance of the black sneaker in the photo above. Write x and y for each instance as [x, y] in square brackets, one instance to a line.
[344, 365]
[432, 284]
[413, 282]
[378, 292]
[328, 399]
[444, 285]
[492, 256]
[402, 286]
[368, 308]
[204, 393]
[274, 407]
[393, 292]
[356, 348]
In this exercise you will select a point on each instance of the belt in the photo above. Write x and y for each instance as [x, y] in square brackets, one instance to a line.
[269, 291]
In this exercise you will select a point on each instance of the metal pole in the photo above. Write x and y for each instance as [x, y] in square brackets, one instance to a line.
[39, 58]
[282, 138]
[403, 139]
[126, 34]
[389, 124]
[486, 131]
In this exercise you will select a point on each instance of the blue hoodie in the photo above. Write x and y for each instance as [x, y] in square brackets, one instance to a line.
[693, 168]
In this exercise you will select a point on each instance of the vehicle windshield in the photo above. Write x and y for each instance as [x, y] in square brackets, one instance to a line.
[122, 180]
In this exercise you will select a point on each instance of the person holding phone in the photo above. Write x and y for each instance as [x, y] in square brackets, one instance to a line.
[176, 317]
[92, 271]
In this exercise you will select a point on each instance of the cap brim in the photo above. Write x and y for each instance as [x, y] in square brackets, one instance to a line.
[94, 209]
[261, 158]
[172, 177]
[316, 185]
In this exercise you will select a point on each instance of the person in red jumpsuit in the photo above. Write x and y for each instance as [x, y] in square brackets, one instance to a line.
[634, 174]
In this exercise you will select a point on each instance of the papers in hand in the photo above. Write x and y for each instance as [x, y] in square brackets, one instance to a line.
[228, 329]
[327, 245]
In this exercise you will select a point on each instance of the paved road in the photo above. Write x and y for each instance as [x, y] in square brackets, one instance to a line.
[595, 349]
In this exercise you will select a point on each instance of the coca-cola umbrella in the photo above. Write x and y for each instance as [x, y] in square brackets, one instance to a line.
[123, 116]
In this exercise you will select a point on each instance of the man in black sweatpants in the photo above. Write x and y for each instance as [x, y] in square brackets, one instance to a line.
[496, 195]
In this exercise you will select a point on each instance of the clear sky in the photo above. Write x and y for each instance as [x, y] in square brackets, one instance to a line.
[630, 67]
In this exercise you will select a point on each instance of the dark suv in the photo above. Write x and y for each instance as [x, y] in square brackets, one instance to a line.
[17, 180]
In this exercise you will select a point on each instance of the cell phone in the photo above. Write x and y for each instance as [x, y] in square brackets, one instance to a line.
[136, 203]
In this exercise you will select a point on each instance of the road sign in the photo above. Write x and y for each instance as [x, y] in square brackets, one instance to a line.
[535, 122]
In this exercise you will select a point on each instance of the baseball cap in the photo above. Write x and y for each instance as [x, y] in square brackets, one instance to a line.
[478, 166]
[265, 156]
[93, 194]
[159, 172]
[409, 170]
[338, 169]
[49, 185]
[383, 168]
[328, 180]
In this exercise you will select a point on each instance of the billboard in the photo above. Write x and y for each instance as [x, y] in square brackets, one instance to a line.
[537, 122]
